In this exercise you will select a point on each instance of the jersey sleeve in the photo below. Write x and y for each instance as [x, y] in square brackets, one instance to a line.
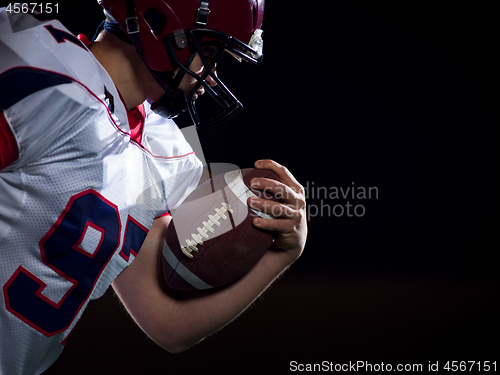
[40, 92]
[163, 138]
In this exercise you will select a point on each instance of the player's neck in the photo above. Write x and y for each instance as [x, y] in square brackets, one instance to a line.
[121, 62]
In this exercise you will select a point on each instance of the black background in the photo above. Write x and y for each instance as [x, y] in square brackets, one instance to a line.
[398, 96]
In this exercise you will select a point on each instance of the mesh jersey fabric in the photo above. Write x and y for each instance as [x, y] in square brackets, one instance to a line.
[79, 196]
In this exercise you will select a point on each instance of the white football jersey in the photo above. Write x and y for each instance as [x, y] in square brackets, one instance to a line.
[80, 195]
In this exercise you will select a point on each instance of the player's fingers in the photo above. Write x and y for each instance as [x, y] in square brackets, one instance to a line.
[272, 188]
[282, 226]
[283, 173]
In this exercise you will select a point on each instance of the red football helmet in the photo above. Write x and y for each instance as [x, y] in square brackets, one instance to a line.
[169, 33]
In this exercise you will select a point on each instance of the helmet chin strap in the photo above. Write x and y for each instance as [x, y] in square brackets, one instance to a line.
[115, 29]
[171, 105]
[174, 102]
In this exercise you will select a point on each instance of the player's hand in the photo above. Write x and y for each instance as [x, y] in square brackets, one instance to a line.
[290, 215]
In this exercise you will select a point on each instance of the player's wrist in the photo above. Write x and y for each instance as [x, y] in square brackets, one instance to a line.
[284, 258]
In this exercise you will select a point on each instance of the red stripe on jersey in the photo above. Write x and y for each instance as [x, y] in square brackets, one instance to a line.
[136, 119]
[162, 215]
[8, 144]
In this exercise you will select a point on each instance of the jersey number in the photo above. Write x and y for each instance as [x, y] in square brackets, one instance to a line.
[67, 250]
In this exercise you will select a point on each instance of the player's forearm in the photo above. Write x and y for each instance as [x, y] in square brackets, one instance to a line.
[178, 323]
[210, 311]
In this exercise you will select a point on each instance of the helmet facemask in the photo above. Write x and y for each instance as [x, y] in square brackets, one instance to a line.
[197, 40]
[163, 35]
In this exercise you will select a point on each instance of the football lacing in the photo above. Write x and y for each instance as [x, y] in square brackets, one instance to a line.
[197, 238]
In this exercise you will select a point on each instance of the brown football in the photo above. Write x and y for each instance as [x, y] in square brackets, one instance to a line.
[211, 240]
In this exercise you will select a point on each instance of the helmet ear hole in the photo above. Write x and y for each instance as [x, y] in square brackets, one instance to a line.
[156, 20]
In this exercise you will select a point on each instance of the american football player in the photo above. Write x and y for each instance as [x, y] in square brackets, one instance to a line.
[91, 162]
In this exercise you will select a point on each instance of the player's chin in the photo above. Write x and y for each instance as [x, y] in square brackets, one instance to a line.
[197, 94]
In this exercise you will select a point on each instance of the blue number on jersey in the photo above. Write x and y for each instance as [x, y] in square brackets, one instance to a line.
[60, 251]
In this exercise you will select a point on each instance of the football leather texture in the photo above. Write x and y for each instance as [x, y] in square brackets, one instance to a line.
[211, 240]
